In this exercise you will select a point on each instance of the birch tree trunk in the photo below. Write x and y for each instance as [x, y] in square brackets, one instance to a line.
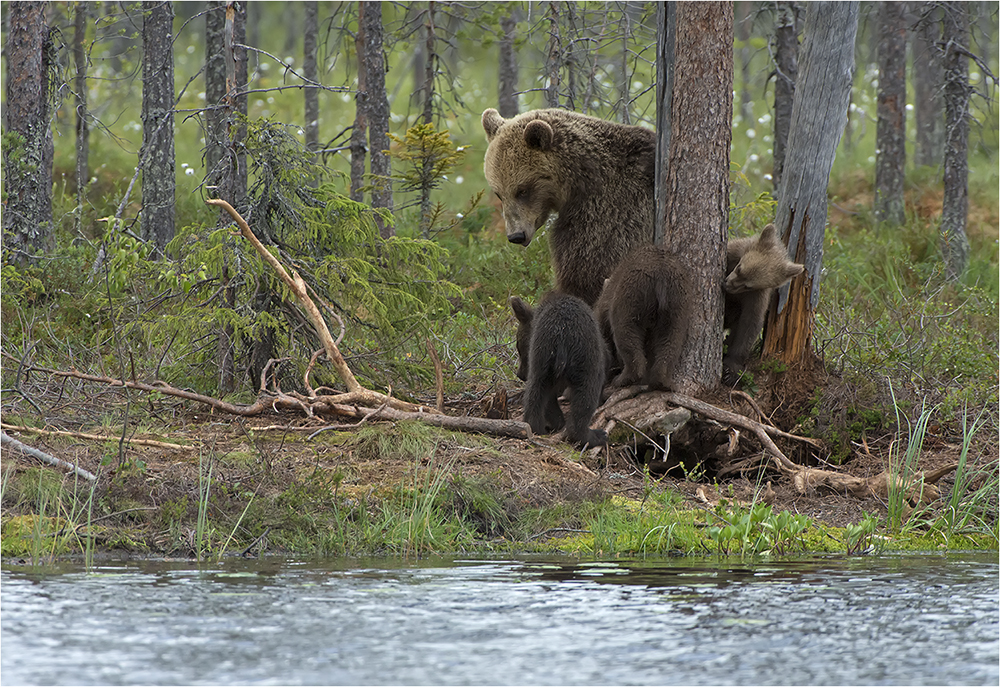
[696, 183]
[818, 117]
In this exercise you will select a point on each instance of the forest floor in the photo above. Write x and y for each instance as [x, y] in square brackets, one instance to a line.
[149, 503]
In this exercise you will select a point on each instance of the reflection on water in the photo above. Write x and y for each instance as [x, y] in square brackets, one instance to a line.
[913, 619]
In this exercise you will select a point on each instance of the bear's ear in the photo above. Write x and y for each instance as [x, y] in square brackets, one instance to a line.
[769, 235]
[538, 135]
[793, 270]
[522, 311]
[492, 121]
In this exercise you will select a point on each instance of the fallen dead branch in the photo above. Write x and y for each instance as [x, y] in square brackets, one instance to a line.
[96, 437]
[45, 457]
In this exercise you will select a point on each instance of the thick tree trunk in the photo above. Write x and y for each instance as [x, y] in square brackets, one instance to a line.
[157, 154]
[928, 78]
[27, 162]
[82, 126]
[378, 113]
[955, 207]
[359, 133]
[666, 34]
[786, 69]
[890, 146]
[818, 116]
[507, 96]
[309, 71]
[696, 183]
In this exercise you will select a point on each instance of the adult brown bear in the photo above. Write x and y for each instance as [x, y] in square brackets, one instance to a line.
[597, 175]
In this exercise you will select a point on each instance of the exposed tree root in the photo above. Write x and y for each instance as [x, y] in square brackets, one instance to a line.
[641, 409]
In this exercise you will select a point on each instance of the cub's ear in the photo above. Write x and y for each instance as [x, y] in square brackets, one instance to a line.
[538, 135]
[793, 270]
[522, 311]
[492, 122]
[769, 235]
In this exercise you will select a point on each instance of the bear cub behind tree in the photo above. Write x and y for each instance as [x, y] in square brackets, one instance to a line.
[597, 175]
[756, 266]
[560, 347]
[644, 315]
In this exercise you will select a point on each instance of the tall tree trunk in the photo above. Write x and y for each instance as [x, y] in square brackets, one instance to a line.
[215, 90]
[157, 154]
[553, 60]
[309, 71]
[697, 177]
[630, 12]
[786, 69]
[82, 126]
[27, 163]
[430, 64]
[955, 207]
[359, 133]
[818, 117]
[507, 96]
[378, 113]
[890, 146]
[928, 78]
[666, 34]
[743, 11]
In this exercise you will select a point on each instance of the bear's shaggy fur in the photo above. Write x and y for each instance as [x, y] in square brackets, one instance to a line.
[597, 175]
[644, 315]
[756, 267]
[560, 346]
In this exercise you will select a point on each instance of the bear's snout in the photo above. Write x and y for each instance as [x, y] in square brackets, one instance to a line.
[518, 237]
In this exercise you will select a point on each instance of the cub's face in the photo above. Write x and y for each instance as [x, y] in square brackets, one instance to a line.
[520, 166]
[761, 268]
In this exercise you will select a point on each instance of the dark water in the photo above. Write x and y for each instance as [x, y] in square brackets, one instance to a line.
[913, 619]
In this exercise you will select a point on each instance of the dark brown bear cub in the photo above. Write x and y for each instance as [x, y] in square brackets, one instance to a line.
[596, 175]
[644, 315]
[756, 266]
[560, 347]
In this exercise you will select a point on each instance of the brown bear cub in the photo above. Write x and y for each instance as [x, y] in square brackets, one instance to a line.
[756, 266]
[560, 347]
[597, 175]
[644, 315]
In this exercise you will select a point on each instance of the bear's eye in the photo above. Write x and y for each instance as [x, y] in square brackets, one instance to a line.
[523, 194]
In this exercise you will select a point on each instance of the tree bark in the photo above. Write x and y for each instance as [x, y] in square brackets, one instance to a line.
[890, 146]
[553, 60]
[157, 154]
[955, 207]
[666, 33]
[507, 96]
[359, 133]
[743, 12]
[697, 177]
[928, 78]
[215, 90]
[786, 69]
[378, 113]
[82, 127]
[309, 71]
[818, 116]
[430, 65]
[27, 163]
